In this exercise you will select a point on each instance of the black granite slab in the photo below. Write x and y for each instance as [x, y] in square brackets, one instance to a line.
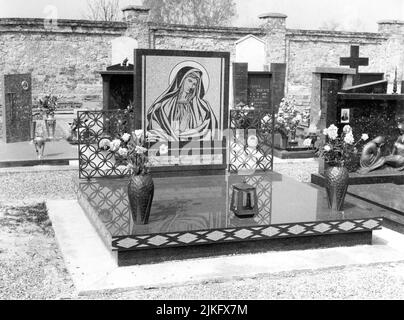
[194, 211]
[389, 195]
[375, 177]
[296, 153]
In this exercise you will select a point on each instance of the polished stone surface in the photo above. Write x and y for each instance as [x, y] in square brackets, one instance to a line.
[188, 204]
[388, 195]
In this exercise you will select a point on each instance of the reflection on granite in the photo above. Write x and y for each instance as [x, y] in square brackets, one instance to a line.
[184, 204]
[388, 195]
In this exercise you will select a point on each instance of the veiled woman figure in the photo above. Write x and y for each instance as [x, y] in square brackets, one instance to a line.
[371, 158]
[181, 113]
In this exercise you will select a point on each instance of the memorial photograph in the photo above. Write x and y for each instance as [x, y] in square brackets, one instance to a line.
[180, 153]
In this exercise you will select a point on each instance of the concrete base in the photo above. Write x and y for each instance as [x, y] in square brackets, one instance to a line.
[93, 268]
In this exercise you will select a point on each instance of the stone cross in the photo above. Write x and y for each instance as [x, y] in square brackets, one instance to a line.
[354, 61]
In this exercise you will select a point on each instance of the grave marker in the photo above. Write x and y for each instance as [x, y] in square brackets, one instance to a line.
[259, 90]
[354, 61]
[17, 110]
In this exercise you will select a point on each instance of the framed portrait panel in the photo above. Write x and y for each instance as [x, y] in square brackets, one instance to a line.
[182, 102]
[345, 116]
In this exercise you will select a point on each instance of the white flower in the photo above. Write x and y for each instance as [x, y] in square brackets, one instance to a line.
[332, 132]
[325, 132]
[105, 144]
[265, 119]
[115, 145]
[349, 138]
[307, 142]
[126, 137]
[365, 137]
[347, 129]
[123, 152]
[327, 148]
[298, 118]
[163, 149]
[140, 150]
[139, 133]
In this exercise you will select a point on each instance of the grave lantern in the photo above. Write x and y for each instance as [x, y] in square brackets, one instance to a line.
[244, 200]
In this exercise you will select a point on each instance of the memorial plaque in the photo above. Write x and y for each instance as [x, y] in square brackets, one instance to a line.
[240, 83]
[259, 90]
[17, 110]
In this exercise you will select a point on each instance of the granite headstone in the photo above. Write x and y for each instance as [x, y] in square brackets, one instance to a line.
[17, 108]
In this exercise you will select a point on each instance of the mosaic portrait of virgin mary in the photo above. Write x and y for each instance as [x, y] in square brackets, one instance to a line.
[181, 113]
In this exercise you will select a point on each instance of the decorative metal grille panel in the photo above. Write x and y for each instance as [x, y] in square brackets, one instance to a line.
[250, 147]
[92, 127]
[251, 140]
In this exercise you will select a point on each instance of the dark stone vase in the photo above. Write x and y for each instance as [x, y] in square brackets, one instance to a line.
[140, 194]
[336, 185]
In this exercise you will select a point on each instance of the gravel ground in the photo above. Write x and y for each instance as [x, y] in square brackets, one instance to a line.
[25, 187]
[31, 266]
[300, 171]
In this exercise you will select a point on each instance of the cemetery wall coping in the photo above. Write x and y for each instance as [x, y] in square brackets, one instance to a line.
[334, 70]
[21, 25]
[163, 28]
[272, 15]
[135, 8]
[294, 33]
[390, 22]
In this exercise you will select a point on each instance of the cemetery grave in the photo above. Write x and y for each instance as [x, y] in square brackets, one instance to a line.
[192, 217]
[215, 190]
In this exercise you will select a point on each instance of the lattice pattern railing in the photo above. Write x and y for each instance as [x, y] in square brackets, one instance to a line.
[93, 126]
[250, 143]
[251, 140]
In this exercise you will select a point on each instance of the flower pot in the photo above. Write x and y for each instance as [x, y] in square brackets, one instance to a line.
[284, 142]
[336, 185]
[140, 194]
[50, 123]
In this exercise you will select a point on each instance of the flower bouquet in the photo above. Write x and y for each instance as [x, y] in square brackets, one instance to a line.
[48, 106]
[287, 120]
[337, 151]
[130, 150]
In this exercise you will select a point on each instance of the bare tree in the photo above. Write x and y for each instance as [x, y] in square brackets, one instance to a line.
[331, 25]
[103, 10]
[192, 12]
